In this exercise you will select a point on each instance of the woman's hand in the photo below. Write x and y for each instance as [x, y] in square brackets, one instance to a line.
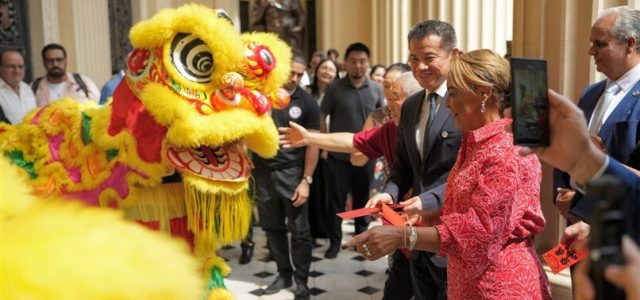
[377, 241]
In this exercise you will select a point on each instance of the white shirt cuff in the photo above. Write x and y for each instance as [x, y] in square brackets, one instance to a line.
[580, 188]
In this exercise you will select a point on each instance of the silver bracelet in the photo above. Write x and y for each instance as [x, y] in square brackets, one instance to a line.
[413, 237]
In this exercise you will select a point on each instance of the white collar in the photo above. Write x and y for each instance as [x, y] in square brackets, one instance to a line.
[626, 81]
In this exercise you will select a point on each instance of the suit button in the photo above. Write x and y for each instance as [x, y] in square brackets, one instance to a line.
[444, 134]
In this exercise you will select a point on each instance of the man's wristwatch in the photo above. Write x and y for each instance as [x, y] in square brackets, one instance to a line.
[308, 179]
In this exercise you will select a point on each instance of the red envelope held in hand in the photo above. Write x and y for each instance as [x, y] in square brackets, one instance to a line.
[389, 217]
[560, 258]
[390, 213]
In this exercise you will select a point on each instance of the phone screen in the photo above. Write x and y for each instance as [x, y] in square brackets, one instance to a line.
[529, 102]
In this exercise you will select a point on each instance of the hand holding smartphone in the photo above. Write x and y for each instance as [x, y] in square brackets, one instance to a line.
[529, 102]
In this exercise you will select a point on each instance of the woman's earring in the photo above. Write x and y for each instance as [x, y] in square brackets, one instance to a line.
[483, 107]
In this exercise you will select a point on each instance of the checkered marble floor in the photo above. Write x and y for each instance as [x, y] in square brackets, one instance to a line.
[349, 276]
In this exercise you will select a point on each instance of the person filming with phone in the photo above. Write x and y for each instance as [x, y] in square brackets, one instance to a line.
[491, 208]
[571, 150]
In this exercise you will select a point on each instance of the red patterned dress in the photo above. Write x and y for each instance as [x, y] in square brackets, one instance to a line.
[490, 214]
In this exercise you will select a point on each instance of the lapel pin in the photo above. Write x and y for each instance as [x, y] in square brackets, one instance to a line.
[636, 93]
[444, 134]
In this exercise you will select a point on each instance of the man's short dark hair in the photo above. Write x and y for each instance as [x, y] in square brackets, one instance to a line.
[297, 56]
[6, 50]
[356, 47]
[53, 46]
[437, 28]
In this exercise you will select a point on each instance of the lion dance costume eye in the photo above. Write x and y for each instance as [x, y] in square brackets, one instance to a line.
[195, 99]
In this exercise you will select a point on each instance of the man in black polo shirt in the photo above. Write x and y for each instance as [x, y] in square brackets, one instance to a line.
[348, 102]
[282, 188]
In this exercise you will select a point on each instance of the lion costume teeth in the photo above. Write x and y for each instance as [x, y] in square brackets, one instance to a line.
[195, 98]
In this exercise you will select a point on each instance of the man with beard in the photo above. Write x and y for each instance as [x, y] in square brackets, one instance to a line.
[348, 102]
[58, 83]
[282, 190]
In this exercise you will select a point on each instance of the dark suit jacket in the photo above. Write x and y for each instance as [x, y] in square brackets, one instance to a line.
[620, 133]
[631, 207]
[427, 176]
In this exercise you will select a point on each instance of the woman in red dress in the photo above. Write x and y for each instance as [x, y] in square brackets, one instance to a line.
[491, 209]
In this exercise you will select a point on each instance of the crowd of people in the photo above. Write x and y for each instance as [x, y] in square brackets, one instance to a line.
[17, 98]
[441, 122]
[471, 197]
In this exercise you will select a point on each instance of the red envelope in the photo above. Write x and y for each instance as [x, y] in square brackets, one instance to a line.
[356, 213]
[389, 217]
[560, 258]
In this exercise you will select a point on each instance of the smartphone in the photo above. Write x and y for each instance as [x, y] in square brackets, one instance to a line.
[529, 102]
[607, 227]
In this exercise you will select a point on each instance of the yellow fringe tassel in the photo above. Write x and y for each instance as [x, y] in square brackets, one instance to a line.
[217, 217]
[220, 294]
[161, 203]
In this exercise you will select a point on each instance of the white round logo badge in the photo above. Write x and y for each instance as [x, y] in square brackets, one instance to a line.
[295, 112]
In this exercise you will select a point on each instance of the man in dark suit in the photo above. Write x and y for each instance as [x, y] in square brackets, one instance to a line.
[611, 106]
[427, 147]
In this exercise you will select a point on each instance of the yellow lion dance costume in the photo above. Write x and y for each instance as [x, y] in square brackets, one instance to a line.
[56, 250]
[195, 98]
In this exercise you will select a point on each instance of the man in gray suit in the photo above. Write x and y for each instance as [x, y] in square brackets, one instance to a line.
[426, 150]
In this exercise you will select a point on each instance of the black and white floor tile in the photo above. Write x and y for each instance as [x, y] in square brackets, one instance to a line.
[349, 276]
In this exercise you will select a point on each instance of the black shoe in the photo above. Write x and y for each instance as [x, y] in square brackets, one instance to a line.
[247, 254]
[332, 252]
[302, 292]
[277, 285]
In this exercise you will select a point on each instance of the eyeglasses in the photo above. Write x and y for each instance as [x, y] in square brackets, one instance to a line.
[14, 67]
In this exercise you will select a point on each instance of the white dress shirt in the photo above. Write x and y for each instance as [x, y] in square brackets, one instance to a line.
[441, 91]
[14, 106]
[626, 83]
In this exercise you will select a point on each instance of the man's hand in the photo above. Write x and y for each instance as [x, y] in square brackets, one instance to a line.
[301, 194]
[412, 205]
[384, 198]
[563, 200]
[294, 136]
[577, 235]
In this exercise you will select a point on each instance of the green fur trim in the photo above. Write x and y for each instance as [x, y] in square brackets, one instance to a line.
[17, 158]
